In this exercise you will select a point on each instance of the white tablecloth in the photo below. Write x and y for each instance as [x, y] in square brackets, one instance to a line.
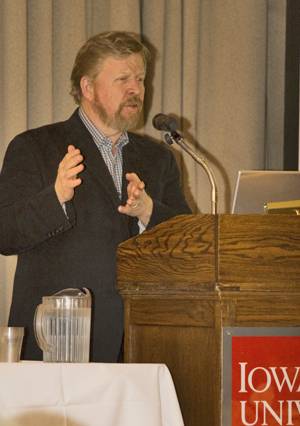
[46, 394]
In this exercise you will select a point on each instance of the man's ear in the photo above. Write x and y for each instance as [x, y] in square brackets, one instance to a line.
[87, 88]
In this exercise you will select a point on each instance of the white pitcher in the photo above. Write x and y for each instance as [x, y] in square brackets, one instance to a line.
[62, 325]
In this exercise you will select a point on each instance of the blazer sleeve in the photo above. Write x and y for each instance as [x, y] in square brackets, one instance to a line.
[171, 201]
[30, 212]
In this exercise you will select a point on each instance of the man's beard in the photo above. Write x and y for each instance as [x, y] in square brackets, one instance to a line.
[118, 121]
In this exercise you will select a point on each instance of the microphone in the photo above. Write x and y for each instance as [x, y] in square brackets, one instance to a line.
[165, 123]
[169, 124]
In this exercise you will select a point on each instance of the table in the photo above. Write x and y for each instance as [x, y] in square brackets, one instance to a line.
[94, 394]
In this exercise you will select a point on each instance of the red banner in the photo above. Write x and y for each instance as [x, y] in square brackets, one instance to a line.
[265, 380]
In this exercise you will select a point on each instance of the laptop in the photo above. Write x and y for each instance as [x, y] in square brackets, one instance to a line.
[255, 188]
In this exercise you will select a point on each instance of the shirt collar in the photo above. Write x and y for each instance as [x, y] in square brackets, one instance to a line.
[99, 136]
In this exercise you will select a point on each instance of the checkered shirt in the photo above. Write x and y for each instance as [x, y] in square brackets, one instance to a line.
[114, 163]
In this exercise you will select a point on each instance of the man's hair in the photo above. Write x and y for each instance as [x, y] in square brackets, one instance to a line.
[88, 61]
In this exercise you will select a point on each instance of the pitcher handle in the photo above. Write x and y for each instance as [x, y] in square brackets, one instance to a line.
[38, 329]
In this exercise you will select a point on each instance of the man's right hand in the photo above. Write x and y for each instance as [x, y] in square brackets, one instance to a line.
[66, 179]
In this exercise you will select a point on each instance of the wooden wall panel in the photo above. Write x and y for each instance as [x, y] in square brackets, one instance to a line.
[187, 345]
[194, 275]
[259, 252]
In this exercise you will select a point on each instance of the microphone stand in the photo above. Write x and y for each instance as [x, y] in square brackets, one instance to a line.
[173, 136]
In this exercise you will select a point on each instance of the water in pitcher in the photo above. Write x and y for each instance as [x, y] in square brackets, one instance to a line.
[62, 326]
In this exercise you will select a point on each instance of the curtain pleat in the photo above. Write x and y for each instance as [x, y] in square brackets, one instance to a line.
[215, 69]
[39, 63]
[13, 68]
[13, 107]
[69, 33]
[231, 93]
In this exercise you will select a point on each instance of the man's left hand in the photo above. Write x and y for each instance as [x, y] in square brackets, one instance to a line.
[138, 203]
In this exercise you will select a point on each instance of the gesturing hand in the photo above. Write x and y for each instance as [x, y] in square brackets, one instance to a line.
[66, 179]
[138, 203]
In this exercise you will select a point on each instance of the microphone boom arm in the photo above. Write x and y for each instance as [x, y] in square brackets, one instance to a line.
[173, 136]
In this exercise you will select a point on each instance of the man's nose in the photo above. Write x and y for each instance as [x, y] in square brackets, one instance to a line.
[135, 86]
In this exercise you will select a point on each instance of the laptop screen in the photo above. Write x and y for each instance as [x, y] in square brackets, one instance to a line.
[254, 188]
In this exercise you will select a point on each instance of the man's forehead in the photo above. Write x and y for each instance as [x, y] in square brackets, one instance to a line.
[132, 61]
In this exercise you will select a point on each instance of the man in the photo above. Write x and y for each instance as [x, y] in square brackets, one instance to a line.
[70, 192]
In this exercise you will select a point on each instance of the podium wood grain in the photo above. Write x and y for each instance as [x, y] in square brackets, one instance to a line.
[185, 279]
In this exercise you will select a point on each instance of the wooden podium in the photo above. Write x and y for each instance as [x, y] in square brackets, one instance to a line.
[188, 277]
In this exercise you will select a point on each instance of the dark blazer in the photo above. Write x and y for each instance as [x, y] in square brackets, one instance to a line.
[56, 251]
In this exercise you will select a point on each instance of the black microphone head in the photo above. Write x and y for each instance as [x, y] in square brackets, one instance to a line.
[165, 123]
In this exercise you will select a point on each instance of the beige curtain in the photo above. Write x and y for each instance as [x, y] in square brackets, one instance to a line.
[218, 66]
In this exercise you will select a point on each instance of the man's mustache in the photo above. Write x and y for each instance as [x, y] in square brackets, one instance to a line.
[132, 101]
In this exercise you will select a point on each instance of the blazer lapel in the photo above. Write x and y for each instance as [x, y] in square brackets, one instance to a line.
[133, 162]
[79, 136]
